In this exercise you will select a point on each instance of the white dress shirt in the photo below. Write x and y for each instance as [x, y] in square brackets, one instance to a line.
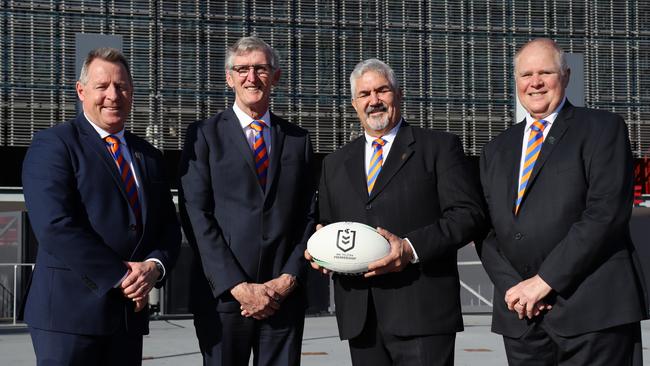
[245, 122]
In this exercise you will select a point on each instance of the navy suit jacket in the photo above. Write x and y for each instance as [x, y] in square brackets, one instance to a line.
[79, 211]
[425, 192]
[572, 227]
[240, 232]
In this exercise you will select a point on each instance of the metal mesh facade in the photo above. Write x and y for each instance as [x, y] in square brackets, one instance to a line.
[453, 59]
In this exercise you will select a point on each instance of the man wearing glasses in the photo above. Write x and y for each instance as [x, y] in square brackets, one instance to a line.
[247, 209]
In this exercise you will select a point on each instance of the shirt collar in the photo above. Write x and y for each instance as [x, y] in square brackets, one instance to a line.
[103, 133]
[549, 119]
[245, 120]
[389, 137]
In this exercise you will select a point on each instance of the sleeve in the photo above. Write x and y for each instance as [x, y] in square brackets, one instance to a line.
[609, 201]
[296, 264]
[461, 205]
[221, 268]
[57, 215]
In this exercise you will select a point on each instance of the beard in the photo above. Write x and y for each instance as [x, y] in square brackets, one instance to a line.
[378, 122]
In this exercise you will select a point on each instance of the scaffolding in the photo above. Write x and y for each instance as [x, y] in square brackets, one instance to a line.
[453, 59]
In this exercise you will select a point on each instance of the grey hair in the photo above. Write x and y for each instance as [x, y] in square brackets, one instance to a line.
[248, 44]
[378, 66]
[107, 54]
[560, 56]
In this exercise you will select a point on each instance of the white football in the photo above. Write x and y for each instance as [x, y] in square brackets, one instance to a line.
[347, 247]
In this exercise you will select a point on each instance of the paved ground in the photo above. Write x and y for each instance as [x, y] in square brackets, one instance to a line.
[172, 342]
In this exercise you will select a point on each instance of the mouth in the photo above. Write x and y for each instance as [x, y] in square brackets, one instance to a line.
[376, 110]
[536, 94]
[112, 109]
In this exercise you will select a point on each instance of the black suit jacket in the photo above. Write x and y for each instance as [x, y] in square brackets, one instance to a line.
[85, 229]
[572, 228]
[425, 192]
[240, 232]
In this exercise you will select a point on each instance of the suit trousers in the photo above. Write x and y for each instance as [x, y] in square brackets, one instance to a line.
[620, 345]
[227, 338]
[375, 347]
[66, 349]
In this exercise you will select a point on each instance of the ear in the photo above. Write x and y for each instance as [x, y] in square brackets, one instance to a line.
[567, 77]
[229, 80]
[80, 91]
[354, 103]
[276, 76]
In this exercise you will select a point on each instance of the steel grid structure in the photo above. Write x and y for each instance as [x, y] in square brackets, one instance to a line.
[453, 59]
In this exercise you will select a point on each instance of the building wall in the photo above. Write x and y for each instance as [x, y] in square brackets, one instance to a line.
[452, 57]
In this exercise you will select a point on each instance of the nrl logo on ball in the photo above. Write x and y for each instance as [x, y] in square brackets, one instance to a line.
[345, 239]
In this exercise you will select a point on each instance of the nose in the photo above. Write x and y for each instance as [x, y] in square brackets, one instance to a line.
[251, 76]
[111, 92]
[536, 80]
[374, 98]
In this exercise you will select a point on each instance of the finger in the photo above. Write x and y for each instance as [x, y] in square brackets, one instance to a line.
[318, 227]
[308, 256]
[386, 234]
[530, 308]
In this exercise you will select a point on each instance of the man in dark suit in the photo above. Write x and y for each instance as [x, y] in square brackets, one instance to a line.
[559, 190]
[247, 199]
[106, 226]
[416, 185]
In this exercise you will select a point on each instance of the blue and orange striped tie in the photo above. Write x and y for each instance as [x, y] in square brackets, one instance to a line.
[533, 148]
[113, 144]
[259, 150]
[375, 162]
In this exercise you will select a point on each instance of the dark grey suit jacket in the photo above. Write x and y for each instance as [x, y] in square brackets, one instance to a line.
[425, 192]
[572, 228]
[240, 232]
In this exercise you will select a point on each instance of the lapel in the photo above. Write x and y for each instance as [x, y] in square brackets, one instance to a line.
[233, 130]
[355, 167]
[92, 139]
[399, 153]
[513, 161]
[554, 136]
[277, 144]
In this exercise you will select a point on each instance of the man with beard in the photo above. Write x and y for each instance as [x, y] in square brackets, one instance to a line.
[417, 187]
[246, 206]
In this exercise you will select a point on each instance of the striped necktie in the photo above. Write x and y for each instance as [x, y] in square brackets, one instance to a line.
[375, 162]
[533, 148]
[113, 144]
[259, 150]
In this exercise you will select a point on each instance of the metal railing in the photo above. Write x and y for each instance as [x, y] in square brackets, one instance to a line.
[14, 299]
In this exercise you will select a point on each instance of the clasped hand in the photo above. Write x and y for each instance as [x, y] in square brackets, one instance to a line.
[139, 281]
[527, 297]
[262, 300]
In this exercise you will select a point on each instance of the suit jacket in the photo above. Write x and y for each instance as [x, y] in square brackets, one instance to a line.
[572, 227]
[240, 232]
[81, 217]
[425, 192]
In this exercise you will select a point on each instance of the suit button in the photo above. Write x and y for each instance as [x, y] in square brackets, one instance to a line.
[132, 227]
[518, 236]
[368, 206]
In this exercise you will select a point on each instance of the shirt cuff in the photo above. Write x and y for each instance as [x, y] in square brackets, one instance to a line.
[415, 259]
[162, 266]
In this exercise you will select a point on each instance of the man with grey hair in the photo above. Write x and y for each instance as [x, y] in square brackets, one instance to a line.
[105, 222]
[567, 289]
[247, 197]
[416, 186]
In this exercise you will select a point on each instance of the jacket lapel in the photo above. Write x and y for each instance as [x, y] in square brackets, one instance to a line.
[233, 130]
[399, 154]
[513, 160]
[554, 136]
[99, 147]
[277, 143]
[140, 164]
[355, 167]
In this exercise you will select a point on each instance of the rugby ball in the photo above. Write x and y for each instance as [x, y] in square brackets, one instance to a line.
[347, 247]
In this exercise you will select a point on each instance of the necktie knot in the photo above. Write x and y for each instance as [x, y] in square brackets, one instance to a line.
[258, 125]
[379, 141]
[539, 126]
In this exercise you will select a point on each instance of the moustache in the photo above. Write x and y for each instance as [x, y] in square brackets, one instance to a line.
[376, 108]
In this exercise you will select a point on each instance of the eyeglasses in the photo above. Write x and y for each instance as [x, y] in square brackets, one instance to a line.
[261, 70]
